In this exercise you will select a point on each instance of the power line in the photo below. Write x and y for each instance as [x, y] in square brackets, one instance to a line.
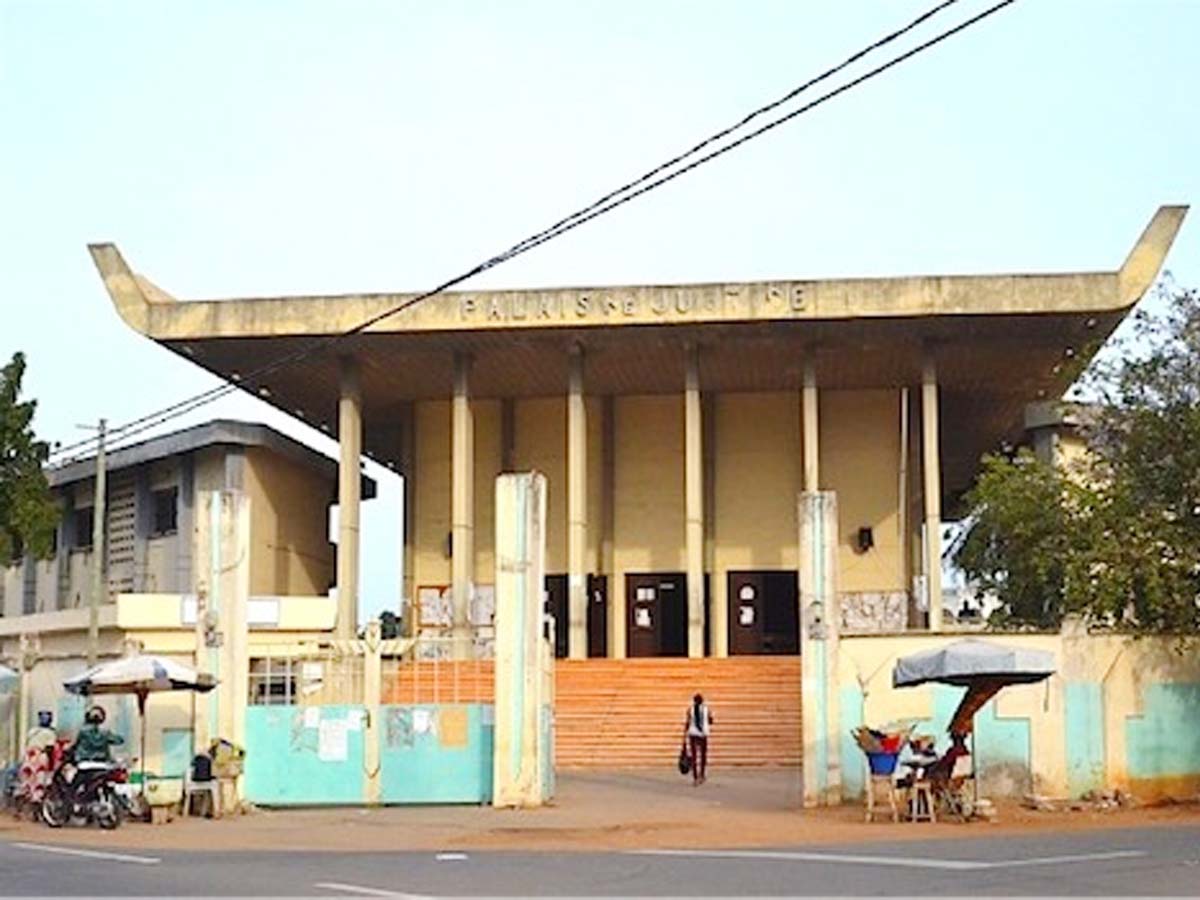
[610, 201]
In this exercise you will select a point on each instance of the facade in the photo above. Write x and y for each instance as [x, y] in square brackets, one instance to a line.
[153, 491]
[677, 426]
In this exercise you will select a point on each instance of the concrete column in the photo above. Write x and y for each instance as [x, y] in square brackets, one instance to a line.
[577, 519]
[408, 469]
[608, 556]
[810, 427]
[523, 740]
[819, 620]
[462, 496]
[372, 700]
[718, 614]
[349, 497]
[694, 502]
[931, 467]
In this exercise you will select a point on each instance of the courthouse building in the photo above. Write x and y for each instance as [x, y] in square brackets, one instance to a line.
[677, 426]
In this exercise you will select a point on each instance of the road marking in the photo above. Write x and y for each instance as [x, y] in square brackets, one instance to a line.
[450, 857]
[365, 891]
[957, 865]
[91, 854]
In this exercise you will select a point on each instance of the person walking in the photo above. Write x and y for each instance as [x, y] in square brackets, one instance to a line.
[696, 729]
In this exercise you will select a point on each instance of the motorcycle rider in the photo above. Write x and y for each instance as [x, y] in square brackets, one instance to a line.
[94, 744]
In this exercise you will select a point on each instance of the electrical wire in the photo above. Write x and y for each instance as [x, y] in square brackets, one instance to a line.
[630, 191]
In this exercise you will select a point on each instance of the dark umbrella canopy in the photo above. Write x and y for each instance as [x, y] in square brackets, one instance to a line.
[967, 663]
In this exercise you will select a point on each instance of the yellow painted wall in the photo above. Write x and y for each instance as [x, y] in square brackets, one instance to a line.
[860, 460]
[757, 478]
[648, 496]
[431, 565]
[540, 442]
[487, 467]
[290, 552]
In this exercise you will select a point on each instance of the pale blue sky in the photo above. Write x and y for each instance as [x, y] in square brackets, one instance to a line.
[237, 148]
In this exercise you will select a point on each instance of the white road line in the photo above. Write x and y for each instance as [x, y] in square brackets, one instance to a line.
[450, 857]
[90, 854]
[959, 865]
[365, 891]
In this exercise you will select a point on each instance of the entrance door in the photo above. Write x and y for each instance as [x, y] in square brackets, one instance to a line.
[656, 614]
[763, 614]
[597, 616]
[556, 606]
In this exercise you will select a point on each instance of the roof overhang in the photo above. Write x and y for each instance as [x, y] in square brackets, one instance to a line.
[999, 341]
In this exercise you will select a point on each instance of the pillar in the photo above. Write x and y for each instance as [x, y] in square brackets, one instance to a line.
[718, 614]
[408, 469]
[931, 467]
[372, 701]
[462, 497]
[523, 750]
[810, 429]
[349, 497]
[694, 502]
[577, 521]
[615, 639]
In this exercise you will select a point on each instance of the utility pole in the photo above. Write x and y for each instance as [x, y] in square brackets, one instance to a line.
[98, 513]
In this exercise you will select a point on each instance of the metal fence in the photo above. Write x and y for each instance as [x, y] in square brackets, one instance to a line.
[440, 670]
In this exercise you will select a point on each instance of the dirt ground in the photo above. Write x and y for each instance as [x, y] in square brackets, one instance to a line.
[592, 811]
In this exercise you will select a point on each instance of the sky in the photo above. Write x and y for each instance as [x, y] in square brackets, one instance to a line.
[269, 147]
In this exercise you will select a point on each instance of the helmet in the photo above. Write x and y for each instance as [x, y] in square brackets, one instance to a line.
[45, 718]
[95, 716]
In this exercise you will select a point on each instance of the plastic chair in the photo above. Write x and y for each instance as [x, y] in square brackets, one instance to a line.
[920, 801]
[210, 789]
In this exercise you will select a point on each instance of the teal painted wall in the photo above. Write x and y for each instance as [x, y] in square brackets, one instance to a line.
[282, 760]
[854, 762]
[176, 751]
[416, 767]
[1084, 737]
[420, 762]
[1164, 740]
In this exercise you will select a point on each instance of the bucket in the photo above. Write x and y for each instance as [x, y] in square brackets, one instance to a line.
[882, 763]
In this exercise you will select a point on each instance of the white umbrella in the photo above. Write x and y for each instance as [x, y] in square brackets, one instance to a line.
[139, 675]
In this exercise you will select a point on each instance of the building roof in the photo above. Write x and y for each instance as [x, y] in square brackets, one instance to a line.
[217, 433]
[999, 341]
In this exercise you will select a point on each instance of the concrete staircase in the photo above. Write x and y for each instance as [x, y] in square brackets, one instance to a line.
[629, 713]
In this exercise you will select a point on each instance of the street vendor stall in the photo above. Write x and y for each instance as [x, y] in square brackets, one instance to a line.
[984, 669]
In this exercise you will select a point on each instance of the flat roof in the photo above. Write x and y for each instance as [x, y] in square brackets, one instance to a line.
[217, 433]
[999, 342]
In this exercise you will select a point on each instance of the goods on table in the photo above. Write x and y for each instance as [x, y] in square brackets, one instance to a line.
[882, 745]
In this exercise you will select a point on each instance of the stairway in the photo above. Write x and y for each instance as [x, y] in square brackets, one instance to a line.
[630, 712]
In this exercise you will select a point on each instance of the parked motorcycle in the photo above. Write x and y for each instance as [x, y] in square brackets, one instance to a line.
[85, 791]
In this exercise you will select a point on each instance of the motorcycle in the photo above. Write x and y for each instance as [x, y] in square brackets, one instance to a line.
[88, 791]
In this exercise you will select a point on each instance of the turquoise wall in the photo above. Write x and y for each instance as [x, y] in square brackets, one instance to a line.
[1164, 741]
[853, 760]
[420, 760]
[1084, 737]
[419, 768]
[283, 766]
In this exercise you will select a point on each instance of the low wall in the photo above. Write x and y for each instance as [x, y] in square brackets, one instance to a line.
[1120, 712]
[316, 755]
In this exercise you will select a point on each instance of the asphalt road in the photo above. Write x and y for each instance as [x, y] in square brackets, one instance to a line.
[1152, 861]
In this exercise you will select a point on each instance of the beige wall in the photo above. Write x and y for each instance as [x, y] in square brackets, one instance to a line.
[290, 552]
[860, 461]
[540, 443]
[430, 563]
[487, 467]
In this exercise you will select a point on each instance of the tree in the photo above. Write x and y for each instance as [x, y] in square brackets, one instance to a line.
[1118, 538]
[28, 512]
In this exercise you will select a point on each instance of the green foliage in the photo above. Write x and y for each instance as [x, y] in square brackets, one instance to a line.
[28, 513]
[1118, 538]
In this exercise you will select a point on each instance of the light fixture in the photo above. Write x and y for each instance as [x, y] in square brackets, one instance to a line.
[264, 391]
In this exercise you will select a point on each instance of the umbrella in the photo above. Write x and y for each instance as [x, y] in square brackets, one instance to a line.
[980, 666]
[7, 674]
[140, 675]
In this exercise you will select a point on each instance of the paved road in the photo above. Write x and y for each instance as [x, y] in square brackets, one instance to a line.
[1153, 861]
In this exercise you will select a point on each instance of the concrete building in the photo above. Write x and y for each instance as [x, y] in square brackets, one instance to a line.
[153, 490]
[676, 425]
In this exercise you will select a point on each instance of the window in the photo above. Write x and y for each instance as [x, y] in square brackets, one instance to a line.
[83, 528]
[166, 511]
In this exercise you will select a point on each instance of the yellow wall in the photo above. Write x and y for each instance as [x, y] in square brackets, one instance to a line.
[431, 565]
[860, 461]
[487, 467]
[757, 447]
[540, 443]
[290, 552]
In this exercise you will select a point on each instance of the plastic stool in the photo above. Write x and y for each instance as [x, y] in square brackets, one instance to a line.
[921, 791]
[881, 783]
